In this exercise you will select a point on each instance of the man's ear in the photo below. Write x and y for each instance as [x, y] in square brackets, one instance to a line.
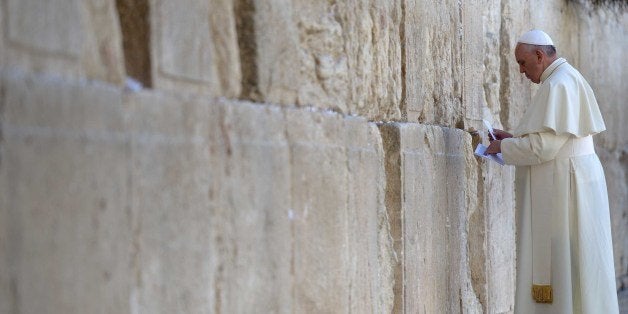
[539, 55]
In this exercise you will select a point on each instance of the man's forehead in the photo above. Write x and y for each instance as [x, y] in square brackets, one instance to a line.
[520, 50]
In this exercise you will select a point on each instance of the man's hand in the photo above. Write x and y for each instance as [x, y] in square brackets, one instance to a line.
[499, 135]
[494, 148]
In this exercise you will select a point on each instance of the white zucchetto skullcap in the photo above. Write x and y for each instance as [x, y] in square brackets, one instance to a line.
[536, 37]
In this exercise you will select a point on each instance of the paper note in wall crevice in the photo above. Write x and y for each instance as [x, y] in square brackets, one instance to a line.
[480, 149]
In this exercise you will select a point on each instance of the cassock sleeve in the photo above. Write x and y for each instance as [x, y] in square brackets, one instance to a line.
[532, 149]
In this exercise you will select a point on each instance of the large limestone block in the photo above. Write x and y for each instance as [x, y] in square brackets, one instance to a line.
[603, 44]
[320, 211]
[351, 53]
[615, 165]
[432, 209]
[425, 213]
[2, 31]
[254, 222]
[370, 249]
[194, 47]
[433, 62]
[173, 175]
[499, 206]
[64, 183]
[68, 37]
[515, 92]
[7, 298]
[475, 57]
[491, 233]
[429, 173]
[345, 56]
[483, 79]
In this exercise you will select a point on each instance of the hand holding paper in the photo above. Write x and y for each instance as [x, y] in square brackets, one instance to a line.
[480, 151]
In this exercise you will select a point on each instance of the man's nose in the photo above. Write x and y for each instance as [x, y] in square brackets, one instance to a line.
[521, 69]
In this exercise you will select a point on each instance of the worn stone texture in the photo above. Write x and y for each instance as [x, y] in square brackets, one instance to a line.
[437, 275]
[475, 92]
[194, 47]
[319, 201]
[197, 211]
[514, 89]
[344, 56]
[498, 184]
[617, 183]
[429, 230]
[172, 174]
[370, 249]
[602, 49]
[433, 61]
[75, 39]
[2, 35]
[173, 200]
[254, 221]
[64, 182]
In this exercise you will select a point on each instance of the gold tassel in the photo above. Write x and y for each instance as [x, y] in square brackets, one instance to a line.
[542, 293]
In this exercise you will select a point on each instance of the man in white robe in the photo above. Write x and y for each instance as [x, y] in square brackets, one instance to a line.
[564, 250]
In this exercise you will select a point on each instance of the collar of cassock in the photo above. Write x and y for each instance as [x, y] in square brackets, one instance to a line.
[551, 68]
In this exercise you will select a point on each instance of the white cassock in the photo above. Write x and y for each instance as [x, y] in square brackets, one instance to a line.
[563, 224]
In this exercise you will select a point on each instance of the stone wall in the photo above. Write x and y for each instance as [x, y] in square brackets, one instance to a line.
[238, 156]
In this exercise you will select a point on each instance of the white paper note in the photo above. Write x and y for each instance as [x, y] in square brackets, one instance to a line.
[489, 127]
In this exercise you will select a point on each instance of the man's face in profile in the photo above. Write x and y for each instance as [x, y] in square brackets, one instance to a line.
[530, 62]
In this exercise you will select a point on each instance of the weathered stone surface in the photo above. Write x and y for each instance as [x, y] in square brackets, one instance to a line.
[255, 222]
[515, 93]
[434, 270]
[2, 31]
[370, 249]
[7, 298]
[364, 70]
[64, 182]
[432, 226]
[57, 31]
[319, 203]
[67, 37]
[344, 56]
[499, 205]
[172, 176]
[194, 47]
[491, 232]
[433, 62]
[615, 165]
[166, 201]
[475, 96]
[602, 48]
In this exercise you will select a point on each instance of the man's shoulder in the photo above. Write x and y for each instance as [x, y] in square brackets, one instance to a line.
[564, 75]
